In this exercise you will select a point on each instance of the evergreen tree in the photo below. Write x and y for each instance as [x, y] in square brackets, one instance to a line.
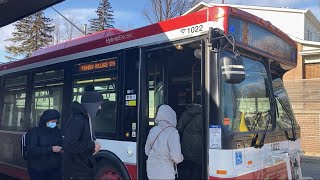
[105, 17]
[32, 33]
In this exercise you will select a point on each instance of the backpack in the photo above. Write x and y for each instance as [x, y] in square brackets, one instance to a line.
[25, 142]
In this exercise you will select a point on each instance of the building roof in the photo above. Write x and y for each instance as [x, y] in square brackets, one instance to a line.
[308, 47]
[13, 10]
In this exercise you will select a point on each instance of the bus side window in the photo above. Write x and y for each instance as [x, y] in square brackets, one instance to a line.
[43, 99]
[47, 94]
[106, 118]
[13, 112]
[14, 99]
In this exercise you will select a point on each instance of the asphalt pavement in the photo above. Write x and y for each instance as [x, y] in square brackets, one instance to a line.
[311, 167]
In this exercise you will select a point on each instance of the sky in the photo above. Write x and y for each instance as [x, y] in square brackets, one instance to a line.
[127, 13]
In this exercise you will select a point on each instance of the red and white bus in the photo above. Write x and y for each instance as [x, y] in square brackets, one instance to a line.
[234, 60]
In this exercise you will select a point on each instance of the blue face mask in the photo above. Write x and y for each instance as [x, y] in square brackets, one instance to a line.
[52, 124]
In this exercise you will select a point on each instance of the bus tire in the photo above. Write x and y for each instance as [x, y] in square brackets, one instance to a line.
[108, 171]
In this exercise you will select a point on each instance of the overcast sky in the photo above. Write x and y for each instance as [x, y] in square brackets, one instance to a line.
[128, 14]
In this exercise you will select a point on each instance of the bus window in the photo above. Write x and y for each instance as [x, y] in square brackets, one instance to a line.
[47, 93]
[105, 120]
[156, 89]
[285, 112]
[43, 99]
[48, 76]
[246, 104]
[16, 81]
[14, 103]
[13, 111]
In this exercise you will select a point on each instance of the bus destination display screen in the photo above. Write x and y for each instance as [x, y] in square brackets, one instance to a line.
[99, 65]
[260, 39]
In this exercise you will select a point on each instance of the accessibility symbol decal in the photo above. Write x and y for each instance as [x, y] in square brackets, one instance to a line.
[238, 158]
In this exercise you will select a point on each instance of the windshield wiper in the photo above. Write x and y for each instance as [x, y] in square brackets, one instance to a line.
[256, 121]
[293, 126]
[261, 143]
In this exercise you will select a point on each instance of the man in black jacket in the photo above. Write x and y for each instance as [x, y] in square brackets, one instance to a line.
[44, 158]
[79, 141]
[190, 130]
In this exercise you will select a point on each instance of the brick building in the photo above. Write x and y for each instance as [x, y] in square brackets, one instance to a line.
[302, 83]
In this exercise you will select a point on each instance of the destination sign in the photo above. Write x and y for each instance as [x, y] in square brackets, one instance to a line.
[261, 39]
[106, 64]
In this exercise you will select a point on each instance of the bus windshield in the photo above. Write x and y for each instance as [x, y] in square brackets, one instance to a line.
[285, 116]
[246, 105]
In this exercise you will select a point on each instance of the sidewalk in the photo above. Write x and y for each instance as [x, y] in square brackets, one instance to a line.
[311, 167]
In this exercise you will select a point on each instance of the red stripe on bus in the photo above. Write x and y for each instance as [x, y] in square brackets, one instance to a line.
[14, 172]
[132, 169]
[84, 45]
[274, 172]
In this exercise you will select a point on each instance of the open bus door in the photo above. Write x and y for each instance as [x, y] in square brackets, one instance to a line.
[173, 75]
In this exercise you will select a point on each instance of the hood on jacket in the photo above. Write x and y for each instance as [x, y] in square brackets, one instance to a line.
[50, 114]
[194, 109]
[166, 116]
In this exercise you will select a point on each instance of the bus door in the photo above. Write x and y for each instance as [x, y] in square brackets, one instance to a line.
[168, 75]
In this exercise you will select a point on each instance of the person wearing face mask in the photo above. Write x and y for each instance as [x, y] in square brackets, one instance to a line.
[79, 141]
[44, 153]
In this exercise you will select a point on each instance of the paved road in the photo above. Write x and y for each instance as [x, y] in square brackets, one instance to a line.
[311, 167]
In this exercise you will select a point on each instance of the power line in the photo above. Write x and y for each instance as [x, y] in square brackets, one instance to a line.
[79, 29]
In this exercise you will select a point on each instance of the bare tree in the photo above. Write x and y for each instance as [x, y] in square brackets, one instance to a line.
[64, 30]
[160, 10]
[57, 33]
[69, 30]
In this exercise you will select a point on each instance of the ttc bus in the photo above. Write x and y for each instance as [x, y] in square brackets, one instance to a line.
[233, 60]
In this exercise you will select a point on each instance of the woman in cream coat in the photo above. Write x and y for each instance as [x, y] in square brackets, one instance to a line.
[163, 146]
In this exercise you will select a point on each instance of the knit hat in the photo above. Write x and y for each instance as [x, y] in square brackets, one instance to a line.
[91, 96]
[91, 100]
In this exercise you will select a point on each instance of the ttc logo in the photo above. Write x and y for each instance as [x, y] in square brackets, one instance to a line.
[183, 30]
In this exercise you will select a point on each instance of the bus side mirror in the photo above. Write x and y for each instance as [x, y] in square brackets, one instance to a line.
[232, 69]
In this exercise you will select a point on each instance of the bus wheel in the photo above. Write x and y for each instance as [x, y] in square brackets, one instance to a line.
[105, 171]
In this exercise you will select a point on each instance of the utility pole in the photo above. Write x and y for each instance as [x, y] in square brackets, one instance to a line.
[85, 29]
[79, 29]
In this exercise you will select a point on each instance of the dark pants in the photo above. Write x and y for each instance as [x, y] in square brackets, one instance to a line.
[50, 174]
[189, 170]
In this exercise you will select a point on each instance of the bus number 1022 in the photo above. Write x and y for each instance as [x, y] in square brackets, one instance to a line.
[275, 147]
[192, 29]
